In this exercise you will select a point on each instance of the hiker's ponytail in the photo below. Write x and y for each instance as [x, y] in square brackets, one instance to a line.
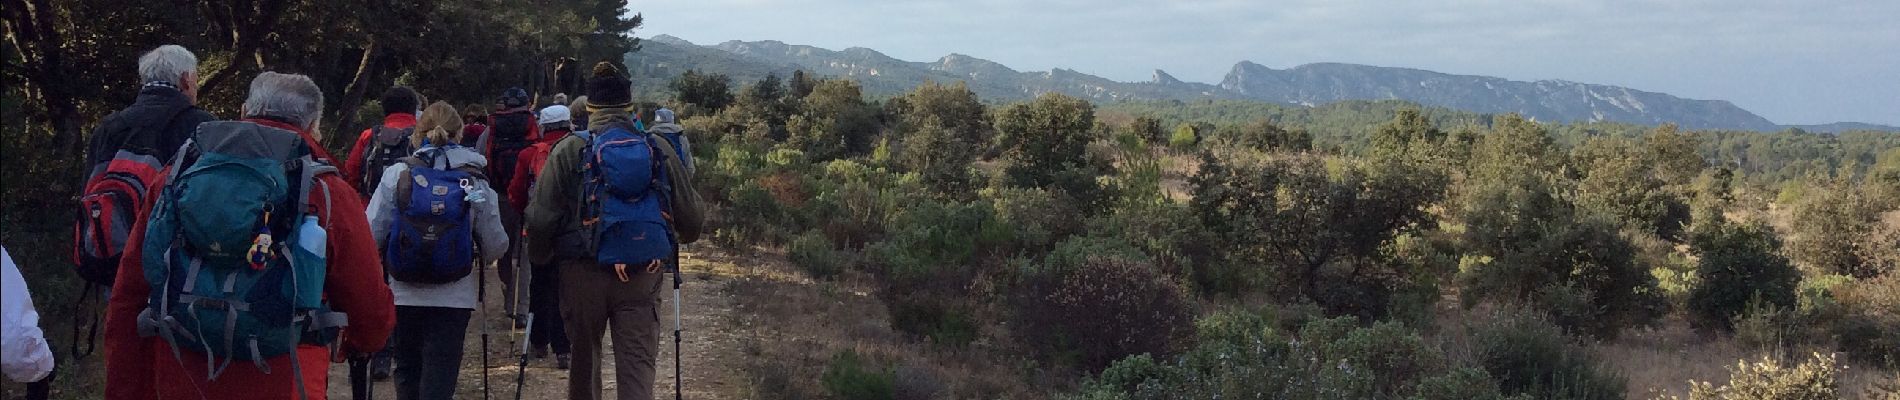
[439, 124]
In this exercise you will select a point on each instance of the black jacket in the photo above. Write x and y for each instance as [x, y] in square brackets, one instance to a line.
[155, 124]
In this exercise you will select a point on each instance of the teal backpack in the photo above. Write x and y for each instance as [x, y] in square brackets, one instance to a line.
[233, 254]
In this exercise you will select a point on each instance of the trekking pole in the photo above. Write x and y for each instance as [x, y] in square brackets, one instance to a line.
[678, 378]
[522, 266]
[521, 374]
[481, 294]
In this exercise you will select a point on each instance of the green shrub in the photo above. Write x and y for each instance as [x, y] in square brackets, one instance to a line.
[1184, 138]
[1740, 264]
[1101, 311]
[1870, 331]
[1764, 326]
[850, 377]
[1243, 355]
[1462, 384]
[1531, 356]
[943, 317]
[1769, 379]
[1039, 217]
[813, 253]
[1169, 233]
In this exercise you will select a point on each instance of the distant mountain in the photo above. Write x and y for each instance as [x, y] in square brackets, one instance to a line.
[1839, 127]
[1549, 100]
[664, 57]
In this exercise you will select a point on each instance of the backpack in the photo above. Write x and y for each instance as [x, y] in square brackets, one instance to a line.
[507, 135]
[114, 198]
[432, 240]
[683, 202]
[234, 257]
[387, 145]
[624, 195]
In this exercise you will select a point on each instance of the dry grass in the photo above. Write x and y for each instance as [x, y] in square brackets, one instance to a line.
[1659, 361]
[796, 325]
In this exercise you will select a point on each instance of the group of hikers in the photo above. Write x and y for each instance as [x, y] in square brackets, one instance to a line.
[243, 259]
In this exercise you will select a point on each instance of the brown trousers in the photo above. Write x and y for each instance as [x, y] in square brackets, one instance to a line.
[594, 299]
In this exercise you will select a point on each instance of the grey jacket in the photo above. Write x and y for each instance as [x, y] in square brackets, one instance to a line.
[490, 236]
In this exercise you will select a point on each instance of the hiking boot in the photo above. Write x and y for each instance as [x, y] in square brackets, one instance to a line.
[560, 361]
[540, 353]
[379, 368]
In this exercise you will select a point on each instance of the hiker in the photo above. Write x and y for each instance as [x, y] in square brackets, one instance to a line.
[474, 124]
[665, 123]
[543, 287]
[271, 170]
[24, 355]
[511, 128]
[577, 112]
[616, 281]
[127, 150]
[432, 212]
[379, 146]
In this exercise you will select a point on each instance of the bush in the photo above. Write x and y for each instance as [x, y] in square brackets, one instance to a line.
[1101, 311]
[1039, 217]
[849, 377]
[1531, 356]
[1870, 331]
[1769, 379]
[1579, 271]
[1169, 233]
[1461, 384]
[1244, 355]
[813, 253]
[1740, 264]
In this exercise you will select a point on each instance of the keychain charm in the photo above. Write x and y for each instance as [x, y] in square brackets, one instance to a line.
[260, 253]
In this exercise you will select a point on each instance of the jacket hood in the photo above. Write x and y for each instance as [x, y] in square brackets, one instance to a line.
[399, 120]
[458, 156]
[666, 128]
[550, 137]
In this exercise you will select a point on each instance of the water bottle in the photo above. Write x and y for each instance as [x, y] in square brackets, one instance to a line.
[308, 256]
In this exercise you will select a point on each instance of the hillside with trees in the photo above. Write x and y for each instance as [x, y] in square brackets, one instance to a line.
[925, 241]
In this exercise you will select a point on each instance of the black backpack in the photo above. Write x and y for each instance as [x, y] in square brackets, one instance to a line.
[507, 136]
[387, 147]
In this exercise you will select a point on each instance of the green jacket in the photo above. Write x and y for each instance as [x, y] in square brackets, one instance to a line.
[553, 218]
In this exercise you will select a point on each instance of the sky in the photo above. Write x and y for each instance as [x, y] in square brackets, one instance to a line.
[1791, 61]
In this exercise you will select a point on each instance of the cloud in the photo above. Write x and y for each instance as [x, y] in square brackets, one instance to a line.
[1792, 61]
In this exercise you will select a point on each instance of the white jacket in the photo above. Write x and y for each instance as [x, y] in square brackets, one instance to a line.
[24, 356]
[490, 236]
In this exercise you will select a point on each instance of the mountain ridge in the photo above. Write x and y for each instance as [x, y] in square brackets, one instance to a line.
[1310, 84]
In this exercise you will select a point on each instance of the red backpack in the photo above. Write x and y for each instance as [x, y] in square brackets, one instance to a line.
[114, 198]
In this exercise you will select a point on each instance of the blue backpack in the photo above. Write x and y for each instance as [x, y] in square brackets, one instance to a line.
[625, 194]
[234, 257]
[432, 240]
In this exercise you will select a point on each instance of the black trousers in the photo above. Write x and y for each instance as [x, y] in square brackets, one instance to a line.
[544, 298]
[428, 347]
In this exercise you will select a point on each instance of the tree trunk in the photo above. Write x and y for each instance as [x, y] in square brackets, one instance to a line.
[30, 27]
[247, 35]
[353, 95]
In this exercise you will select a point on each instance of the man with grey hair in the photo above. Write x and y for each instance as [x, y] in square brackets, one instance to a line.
[163, 115]
[282, 109]
[126, 151]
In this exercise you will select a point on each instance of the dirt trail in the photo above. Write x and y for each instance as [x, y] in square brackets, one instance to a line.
[710, 349]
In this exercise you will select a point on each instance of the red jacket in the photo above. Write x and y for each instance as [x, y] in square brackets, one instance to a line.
[528, 167]
[353, 168]
[144, 368]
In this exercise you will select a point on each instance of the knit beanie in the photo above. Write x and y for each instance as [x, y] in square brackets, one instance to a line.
[607, 89]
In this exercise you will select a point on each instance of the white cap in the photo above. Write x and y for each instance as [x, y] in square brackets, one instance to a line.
[553, 114]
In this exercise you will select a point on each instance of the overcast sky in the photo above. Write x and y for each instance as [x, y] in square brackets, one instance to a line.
[1793, 62]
